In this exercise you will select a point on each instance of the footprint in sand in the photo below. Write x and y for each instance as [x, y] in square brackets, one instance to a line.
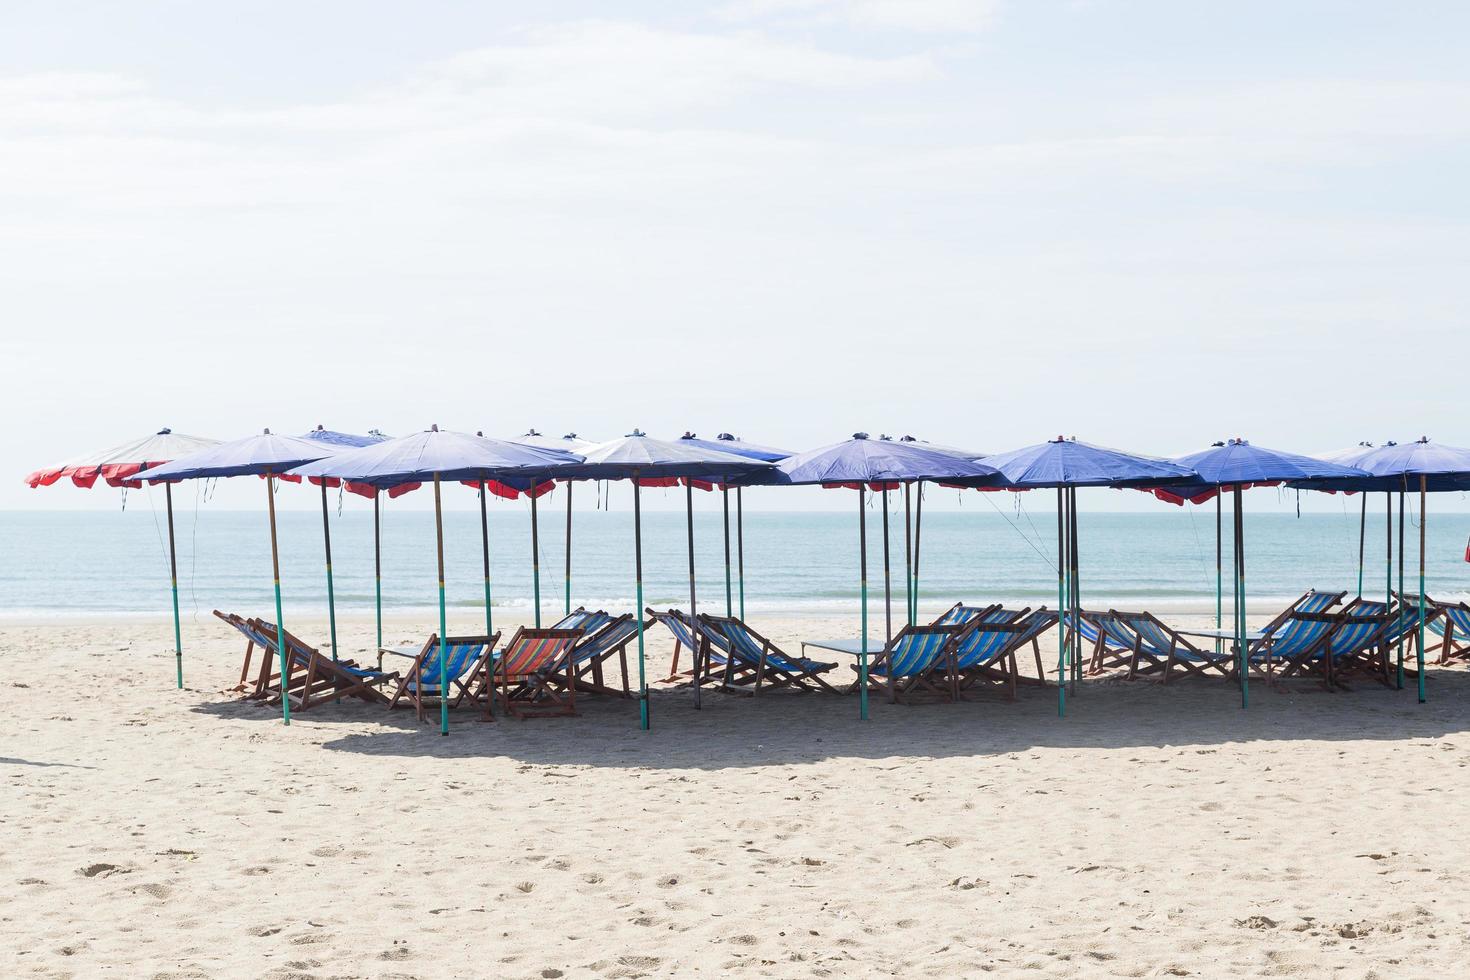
[261, 932]
[103, 870]
[256, 871]
[157, 890]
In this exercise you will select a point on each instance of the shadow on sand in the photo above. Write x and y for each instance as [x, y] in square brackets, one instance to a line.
[781, 728]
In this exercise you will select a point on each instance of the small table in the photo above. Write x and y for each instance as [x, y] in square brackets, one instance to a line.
[852, 647]
[1251, 636]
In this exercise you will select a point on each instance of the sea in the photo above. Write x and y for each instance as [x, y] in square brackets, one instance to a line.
[111, 564]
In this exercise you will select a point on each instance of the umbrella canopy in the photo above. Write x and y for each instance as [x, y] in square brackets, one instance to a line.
[1069, 463]
[568, 443]
[1237, 463]
[876, 463]
[660, 462]
[726, 443]
[451, 455]
[967, 453]
[1443, 467]
[265, 453]
[346, 440]
[1349, 456]
[117, 464]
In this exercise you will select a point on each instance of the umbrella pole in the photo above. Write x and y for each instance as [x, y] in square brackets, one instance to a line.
[887, 597]
[918, 540]
[331, 591]
[535, 560]
[693, 610]
[1240, 630]
[1423, 523]
[443, 617]
[270, 493]
[1362, 540]
[638, 612]
[863, 601]
[1075, 588]
[908, 553]
[1388, 575]
[1401, 582]
[567, 602]
[1219, 572]
[173, 578]
[485, 554]
[740, 548]
[729, 596]
[378, 573]
[1061, 607]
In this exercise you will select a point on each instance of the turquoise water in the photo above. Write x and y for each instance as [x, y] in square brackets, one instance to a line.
[111, 563]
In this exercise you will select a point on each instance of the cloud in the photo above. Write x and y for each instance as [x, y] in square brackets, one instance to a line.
[920, 16]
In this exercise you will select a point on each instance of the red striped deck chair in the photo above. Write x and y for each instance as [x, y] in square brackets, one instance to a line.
[524, 668]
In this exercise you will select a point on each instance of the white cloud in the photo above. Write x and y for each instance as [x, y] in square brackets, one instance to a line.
[924, 16]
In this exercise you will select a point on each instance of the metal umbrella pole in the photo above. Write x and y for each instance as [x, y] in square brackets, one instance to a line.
[740, 547]
[918, 540]
[567, 602]
[729, 595]
[1388, 576]
[331, 591]
[908, 553]
[378, 572]
[1400, 669]
[485, 554]
[863, 600]
[1240, 619]
[535, 559]
[699, 668]
[173, 578]
[270, 493]
[1362, 541]
[1219, 572]
[1423, 523]
[443, 617]
[638, 612]
[887, 598]
[1061, 605]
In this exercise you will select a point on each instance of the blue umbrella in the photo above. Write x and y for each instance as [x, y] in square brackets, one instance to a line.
[1434, 468]
[863, 464]
[1066, 464]
[346, 440]
[441, 455]
[1237, 465]
[264, 455]
[568, 443]
[1350, 457]
[913, 522]
[727, 443]
[660, 462]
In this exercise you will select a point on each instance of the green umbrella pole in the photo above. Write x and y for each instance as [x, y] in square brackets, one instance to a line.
[173, 578]
[270, 493]
[729, 595]
[1388, 578]
[638, 612]
[918, 540]
[485, 554]
[567, 602]
[1401, 582]
[535, 560]
[1240, 630]
[699, 668]
[863, 600]
[1061, 607]
[331, 590]
[1423, 522]
[1074, 587]
[1362, 541]
[887, 598]
[1219, 573]
[740, 548]
[378, 572]
[908, 553]
[443, 616]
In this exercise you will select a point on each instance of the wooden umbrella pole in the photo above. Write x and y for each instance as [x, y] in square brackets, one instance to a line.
[270, 493]
[908, 552]
[535, 560]
[729, 594]
[1401, 578]
[918, 539]
[173, 579]
[1423, 524]
[1061, 605]
[1362, 541]
[699, 668]
[1219, 573]
[863, 602]
[378, 572]
[331, 591]
[443, 616]
[1240, 618]
[740, 547]
[643, 720]
[485, 556]
[567, 601]
[887, 598]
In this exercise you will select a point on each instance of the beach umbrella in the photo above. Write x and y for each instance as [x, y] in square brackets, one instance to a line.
[1064, 465]
[913, 522]
[880, 465]
[345, 440]
[266, 455]
[1235, 466]
[567, 443]
[727, 443]
[660, 463]
[435, 455]
[1350, 457]
[116, 467]
[1429, 467]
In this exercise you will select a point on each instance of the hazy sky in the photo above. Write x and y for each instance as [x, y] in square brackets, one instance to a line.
[1149, 225]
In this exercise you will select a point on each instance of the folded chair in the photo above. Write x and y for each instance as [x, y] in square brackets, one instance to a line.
[987, 651]
[313, 677]
[253, 640]
[522, 673]
[1337, 641]
[916, 658]
[712, 650]
[1158, 648]
[1449, 621]
[750, 653]
[462, 658]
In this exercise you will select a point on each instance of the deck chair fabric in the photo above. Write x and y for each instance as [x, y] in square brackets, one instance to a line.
[463, 657]
[313, 677]
[748, 652]
[959, 614]
[522, 673]
[1450, 621]
[712, 650]
[1157, 648]
[917, 657]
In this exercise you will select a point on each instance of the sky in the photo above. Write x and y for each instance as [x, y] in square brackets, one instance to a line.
[1148, 224]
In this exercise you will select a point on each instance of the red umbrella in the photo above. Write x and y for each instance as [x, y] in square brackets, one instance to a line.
[116, 466]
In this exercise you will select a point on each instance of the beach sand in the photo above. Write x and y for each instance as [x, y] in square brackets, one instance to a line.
[149, 831]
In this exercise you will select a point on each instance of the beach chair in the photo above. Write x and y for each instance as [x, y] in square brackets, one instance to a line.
[522, 671]
[1329, 640]
[987, 652]
[462, 657]
[253, 641]
[313, 677]
[712, 650]
[1449, 621]
[588, 621]
[588, 657]
[959, 614]
[748, 652]
[1110, 647]
[1158, 648]
[915, 658]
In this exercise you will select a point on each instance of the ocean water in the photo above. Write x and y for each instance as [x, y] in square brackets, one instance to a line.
[97, 563]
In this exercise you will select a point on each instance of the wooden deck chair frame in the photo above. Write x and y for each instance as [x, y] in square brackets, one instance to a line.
[527, 690]
[320, 678]
[1448, 651]
[700, 655]
[1182, 655]
[765, 673]
[1301, 663]
[414, 675]
[942, 667]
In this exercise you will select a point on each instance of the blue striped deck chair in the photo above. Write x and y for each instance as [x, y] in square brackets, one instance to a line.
[593, 651]
[959, 614]
[1294, 629]
[987, 653]
[751, 655]
[464, 659]
[1344, 640]
[713, 650]
[1161, 649]
[253, 640]
[1449, 621]
[589, 621]
[313, 677]
[914, 658]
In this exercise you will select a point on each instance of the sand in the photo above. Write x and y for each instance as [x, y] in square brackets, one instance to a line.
[149, 831]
